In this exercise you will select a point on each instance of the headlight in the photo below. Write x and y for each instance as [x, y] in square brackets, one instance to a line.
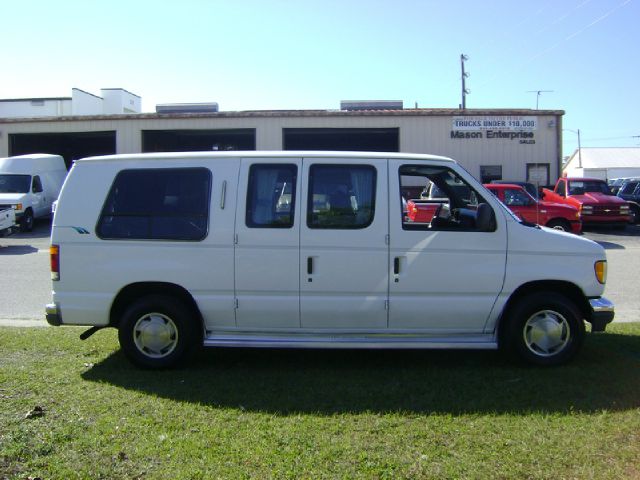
[601, 271]
[587, 210]
[624, 208]
[17, 206]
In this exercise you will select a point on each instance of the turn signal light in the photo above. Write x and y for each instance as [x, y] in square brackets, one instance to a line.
[601, 271]
[54, 253]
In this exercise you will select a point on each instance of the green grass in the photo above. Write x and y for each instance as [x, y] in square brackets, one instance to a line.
[316, 414]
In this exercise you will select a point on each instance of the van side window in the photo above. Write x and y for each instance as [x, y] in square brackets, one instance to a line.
[157, 204]
[436, 198]
[37, 185]
[271, 196]
[341, 196]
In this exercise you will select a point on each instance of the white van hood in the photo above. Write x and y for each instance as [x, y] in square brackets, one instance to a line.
[11, 198]
[543, 240]
[543, 253]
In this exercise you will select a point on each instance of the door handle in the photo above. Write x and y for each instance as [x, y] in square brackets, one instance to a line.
[396, 266]
[309, 265]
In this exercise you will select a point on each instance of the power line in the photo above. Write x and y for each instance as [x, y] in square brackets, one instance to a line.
[558, 20]
[578, 32]
[557, 44]
[611, 138]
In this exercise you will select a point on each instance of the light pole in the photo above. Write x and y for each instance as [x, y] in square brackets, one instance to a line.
[577, 132]
[538, 92]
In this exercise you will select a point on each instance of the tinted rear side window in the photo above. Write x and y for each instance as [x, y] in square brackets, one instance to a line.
[157, 204]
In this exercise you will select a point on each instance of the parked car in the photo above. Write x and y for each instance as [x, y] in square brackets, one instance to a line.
[592, 196]
[178, 250]
[30, 184]
[615, 184]
[421, 211]
[630, 191]
[552, 215]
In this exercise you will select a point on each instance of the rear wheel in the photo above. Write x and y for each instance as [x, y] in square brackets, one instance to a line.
[545, 328]
[157, 332]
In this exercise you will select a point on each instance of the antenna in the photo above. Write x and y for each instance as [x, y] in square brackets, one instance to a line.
[538, 92]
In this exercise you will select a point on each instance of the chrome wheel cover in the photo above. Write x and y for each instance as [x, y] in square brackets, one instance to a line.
[546, 333]
[155, 335]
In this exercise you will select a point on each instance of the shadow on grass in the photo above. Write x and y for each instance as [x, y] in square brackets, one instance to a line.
[603, 377]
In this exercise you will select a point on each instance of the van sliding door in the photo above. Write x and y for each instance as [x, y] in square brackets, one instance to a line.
[344, 259]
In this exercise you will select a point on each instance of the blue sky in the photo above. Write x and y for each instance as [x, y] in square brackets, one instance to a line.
[252, 55]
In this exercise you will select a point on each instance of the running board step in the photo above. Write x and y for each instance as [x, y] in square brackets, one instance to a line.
[477, 342]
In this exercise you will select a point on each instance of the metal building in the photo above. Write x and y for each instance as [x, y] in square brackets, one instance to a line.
[604, 162]
[504, 144]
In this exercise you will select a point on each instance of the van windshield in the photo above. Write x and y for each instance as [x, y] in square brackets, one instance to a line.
[15, 183]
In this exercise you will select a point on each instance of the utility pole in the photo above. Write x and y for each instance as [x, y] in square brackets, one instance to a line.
[465, 75]
[538, 92]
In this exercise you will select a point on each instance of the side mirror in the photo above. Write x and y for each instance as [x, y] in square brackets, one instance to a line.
[485, 218]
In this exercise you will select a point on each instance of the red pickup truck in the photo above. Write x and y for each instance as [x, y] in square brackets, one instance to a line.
[592, 196]
[421, 211]
[553, 215]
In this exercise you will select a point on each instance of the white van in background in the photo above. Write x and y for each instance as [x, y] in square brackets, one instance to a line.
[30, 184]
[312, 250]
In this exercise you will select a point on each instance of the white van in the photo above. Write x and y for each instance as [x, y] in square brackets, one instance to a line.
[30, 184]
[312, 250]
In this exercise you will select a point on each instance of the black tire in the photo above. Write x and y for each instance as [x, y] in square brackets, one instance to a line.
[544, 328]
[26, 223]
[158, 331]
[559, 224]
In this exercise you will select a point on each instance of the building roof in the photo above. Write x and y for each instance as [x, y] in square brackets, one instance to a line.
[605, 157]
[35, 99]
[433, 112]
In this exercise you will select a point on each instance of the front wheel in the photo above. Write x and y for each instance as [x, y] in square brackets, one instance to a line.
[545, 328]
[157, 332]
[26, 224]
[559, 224]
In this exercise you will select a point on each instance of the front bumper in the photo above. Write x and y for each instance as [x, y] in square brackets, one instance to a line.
[52, 314]
[602, 313]
[576, 227]
[605, 219]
